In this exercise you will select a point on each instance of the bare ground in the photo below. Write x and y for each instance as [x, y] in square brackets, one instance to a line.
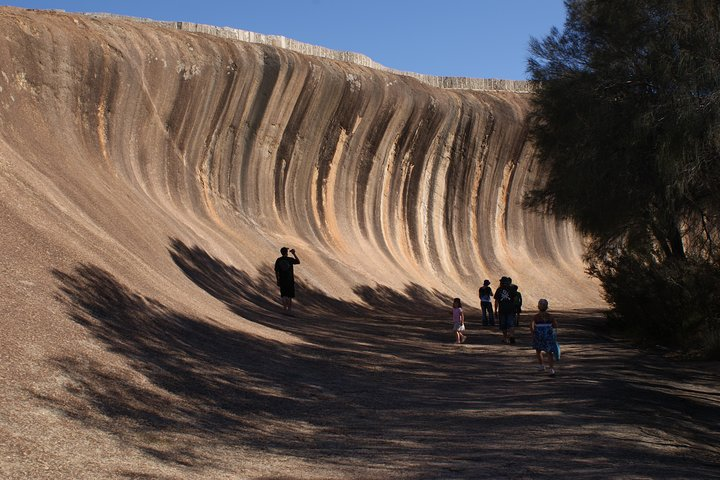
[376, 391]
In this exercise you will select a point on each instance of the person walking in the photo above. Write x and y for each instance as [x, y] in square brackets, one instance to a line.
[458, 321]
[285, 277]
[544, 334]
[505, 310]
[517, 301]
[486, 295]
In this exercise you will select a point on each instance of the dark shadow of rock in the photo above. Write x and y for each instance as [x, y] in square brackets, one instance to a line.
[412, 313]
[368, 388]
[186, 382]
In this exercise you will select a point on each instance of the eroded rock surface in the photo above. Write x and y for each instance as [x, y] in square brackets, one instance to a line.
[129, 134]
[149, 177]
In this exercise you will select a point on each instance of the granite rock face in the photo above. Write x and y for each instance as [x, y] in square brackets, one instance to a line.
[121, 138]
[148, 177]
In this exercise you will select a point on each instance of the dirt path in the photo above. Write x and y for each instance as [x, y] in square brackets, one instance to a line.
[372, 394]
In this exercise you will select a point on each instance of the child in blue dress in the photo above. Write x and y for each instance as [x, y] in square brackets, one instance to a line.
[544, 329]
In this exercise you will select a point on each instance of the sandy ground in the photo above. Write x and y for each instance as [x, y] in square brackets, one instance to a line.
[372, 392]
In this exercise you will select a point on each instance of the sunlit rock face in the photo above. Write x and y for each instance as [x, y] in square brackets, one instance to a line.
[120, 139]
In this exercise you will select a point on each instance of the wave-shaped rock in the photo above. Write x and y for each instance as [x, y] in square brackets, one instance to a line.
[280, 41]
[119, 136]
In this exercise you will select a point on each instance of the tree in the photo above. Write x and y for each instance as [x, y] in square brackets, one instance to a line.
[626, 119]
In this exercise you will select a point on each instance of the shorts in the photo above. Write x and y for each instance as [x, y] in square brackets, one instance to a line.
[287, 290]
[459, 327]
[507, 320]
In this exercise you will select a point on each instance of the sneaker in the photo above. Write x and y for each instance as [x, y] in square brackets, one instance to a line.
[552, 372]
[541, 368]
[462, 340]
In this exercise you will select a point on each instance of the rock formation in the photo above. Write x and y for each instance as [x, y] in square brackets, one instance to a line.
[149, 177]
[120, 135]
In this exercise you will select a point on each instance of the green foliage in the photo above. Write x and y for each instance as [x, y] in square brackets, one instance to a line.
[627, 123]
[674, 303]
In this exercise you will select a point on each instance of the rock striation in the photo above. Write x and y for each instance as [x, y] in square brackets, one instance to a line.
[149, 176]
[119, 136]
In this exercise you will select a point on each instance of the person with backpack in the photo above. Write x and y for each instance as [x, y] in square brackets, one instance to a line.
[486, 295]
[505, 310]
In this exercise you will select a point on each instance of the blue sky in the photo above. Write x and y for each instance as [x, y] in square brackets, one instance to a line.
[465, 38]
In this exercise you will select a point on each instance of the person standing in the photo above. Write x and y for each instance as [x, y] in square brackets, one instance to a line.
[517, 300]
[505, 309]
[544, 334]
[486, 295]
[458, 321]
[285, 278]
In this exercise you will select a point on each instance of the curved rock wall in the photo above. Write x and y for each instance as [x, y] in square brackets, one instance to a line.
[119, 136]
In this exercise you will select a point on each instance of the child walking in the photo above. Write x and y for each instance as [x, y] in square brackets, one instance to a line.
[544, 328]
[458, 321]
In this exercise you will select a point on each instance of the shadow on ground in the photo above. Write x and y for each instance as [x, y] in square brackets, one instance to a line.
[413, 313]
[377, 387]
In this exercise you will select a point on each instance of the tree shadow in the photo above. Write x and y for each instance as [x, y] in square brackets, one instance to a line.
[197, 377]
[367, 388]
[183, 383]
[415, 313]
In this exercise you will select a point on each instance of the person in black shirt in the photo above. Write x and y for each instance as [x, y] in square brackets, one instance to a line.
[505, 309]
[517, 300]
[486, 295]
[286, 278]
